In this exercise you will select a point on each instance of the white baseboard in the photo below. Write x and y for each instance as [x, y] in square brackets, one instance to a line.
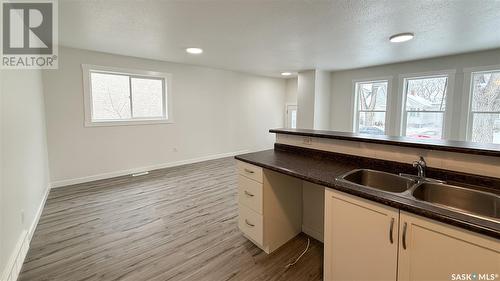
[16, 260]
[313, 233]
[103, 176]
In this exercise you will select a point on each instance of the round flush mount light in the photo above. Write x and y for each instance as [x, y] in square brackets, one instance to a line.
[194, 51]
[286, 73]
[401, 37]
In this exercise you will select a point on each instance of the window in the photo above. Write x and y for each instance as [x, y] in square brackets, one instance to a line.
[424, 106]
[124, 97]
[485, 107]
[371, 107]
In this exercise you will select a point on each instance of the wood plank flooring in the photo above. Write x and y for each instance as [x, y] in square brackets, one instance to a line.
[174, 224]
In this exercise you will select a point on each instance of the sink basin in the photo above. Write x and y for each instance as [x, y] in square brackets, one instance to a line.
[474, 202]
[379, 180]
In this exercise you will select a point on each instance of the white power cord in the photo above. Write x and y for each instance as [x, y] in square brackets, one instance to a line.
[297, 259]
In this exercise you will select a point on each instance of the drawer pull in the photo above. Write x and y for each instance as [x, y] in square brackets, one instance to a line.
[248, 171]
[248, 194]
[391, 228]
[405, 225]
[249, 224]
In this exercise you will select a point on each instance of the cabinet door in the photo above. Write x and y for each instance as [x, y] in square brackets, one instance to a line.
[436, 251]
[358, 242]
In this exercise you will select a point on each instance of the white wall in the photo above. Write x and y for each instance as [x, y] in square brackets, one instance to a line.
[342, 99]
[313, 209]
[2, 256]
[305, 99]
[322, 93]
[313, 99]
[291, 91]
[25, 175]
[215, 112]
[313, 113]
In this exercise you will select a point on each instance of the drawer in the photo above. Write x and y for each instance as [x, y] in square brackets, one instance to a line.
[250, 193]
[250, 171]
[251, 223]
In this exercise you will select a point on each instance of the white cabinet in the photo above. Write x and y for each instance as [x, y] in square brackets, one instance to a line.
[361, 239]
[358, 245]
[251, 224]
[250, 193]
[430, 250]
[270, 206]
[250, 171]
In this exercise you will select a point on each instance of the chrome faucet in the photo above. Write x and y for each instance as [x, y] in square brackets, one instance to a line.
[420, 165]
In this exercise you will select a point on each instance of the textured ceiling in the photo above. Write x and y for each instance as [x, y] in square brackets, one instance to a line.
[268, 37]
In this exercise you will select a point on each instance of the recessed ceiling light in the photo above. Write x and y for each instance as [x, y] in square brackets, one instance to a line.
[286, 73]
[194, 51]
[401, 37]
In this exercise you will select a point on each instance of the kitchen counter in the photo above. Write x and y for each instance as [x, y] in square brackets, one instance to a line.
[323, 167]
[486, 149]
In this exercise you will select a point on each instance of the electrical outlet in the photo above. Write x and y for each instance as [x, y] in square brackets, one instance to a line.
[307, 140]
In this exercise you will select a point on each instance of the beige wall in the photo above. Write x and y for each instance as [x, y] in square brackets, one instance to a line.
[342, 99]
[216, 112]
[25, 175]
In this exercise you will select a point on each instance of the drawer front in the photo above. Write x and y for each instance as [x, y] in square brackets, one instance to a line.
[251, 223]
[250, 193]
[250, 171]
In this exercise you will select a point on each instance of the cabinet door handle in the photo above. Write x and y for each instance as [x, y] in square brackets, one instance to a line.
[248, 171]
[248, 194]
[249, 224]
[405, 226]
[391, 229]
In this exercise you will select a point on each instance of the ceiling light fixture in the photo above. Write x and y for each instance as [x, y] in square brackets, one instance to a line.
[286, 73]
[401, 37]
[194, 51]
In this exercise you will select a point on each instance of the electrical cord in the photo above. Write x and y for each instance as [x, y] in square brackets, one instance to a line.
[297, 259]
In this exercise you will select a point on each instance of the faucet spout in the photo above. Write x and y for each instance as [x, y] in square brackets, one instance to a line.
[420, 165]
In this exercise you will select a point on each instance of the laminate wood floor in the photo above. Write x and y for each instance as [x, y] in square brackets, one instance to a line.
[174, 224]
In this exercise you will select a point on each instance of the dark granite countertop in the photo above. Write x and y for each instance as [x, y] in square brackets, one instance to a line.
[487, 149]
[314, 167]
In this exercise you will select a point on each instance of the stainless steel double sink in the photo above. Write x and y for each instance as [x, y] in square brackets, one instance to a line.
[477, 203]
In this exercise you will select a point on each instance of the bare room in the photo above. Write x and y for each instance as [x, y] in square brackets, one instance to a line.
[298, 140]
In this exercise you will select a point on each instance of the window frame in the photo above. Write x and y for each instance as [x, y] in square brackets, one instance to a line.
[469, 118]
[166, 79]
[447, 117]
[355, 107]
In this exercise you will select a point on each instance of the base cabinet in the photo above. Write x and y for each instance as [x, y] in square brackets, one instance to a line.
[357, 245]
[361, 239]
[270, 206]
[435, 251]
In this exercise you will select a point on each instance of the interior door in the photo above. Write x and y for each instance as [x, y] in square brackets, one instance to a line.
[291, 116]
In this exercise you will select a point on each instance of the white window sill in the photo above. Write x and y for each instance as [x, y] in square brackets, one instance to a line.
[127, 123]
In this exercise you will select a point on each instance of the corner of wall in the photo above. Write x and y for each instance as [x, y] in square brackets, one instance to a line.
[15, 261]
[24, 188]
